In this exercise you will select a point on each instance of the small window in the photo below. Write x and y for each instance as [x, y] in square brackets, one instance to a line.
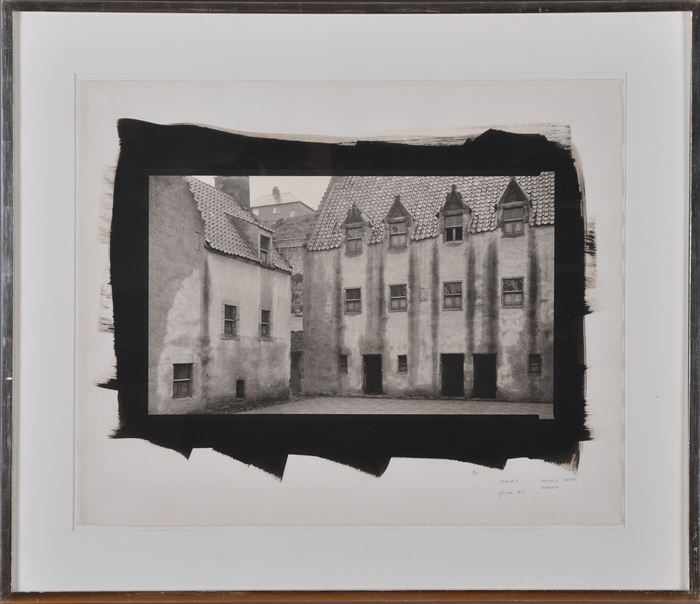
[343, 363]
[513, 292]
[398, 234]
[534, 364]
[452, 295]
[230, 321]
[454, 227]
[353, 243]
[182, 380]
[264, 249]
[397, 297]
[403, 363]
[240, 388]
[353, 301]
[513, 221]
[265, 324]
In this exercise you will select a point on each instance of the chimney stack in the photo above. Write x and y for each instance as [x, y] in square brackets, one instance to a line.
[237, 187]
[276, 194]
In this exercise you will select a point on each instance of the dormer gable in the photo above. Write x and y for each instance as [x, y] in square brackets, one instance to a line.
[513, 194]
[354, 226]
[513, 210]
[454, 217]
[398, 221]
[354, 217]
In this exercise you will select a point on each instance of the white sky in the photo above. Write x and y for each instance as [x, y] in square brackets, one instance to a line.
[308, 189]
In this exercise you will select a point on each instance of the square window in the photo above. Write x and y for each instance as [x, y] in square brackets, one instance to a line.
[182, 380]
[513, 220]
[398, 234]
[534, 364]
[353, 246]
[265, 323]
[452, 295]
[512, 292]
[353, 300]
[454, 227]
[398, 300]
[343, 363]
[403, 363]
[230, 321]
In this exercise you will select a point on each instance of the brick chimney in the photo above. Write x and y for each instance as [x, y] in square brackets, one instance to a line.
[276, 194]
[237, 187]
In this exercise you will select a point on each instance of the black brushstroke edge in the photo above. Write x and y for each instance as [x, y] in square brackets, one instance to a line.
[366, 442]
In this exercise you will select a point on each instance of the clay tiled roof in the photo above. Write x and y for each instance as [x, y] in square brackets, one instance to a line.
[220, 213]
[294, 231]
[423, 197]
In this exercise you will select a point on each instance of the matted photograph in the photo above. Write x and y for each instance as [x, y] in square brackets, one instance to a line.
[368, 304]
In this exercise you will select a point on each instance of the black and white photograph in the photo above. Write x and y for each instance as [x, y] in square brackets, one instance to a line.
[309, 311]
[398, 294]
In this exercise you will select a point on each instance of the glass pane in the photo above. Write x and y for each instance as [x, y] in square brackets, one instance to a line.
[182, 371]
[398, 227]
[453, 221]
[514, 213]
[398, 241]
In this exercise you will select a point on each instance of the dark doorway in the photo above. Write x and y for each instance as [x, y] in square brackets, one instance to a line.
[296, 374]
[484, 376]
[452, 371]
[372, 373]
[240, 388]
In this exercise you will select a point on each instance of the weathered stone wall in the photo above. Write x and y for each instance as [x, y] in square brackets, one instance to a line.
[426, 330]
[188, 287]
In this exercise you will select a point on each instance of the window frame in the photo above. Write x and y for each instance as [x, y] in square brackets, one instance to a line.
[189, 381]
[513, 292]
[265, 325]
[264, 253]
[228, 320]
[353, 301]
[402, 307]
[354, 239]
[506, 223]
[534, 360]
[446, 296]
[401, 235]
[343, 364]
[402, 363]
[453, 229]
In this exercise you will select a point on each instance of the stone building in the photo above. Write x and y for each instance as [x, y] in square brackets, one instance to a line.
[219, 298]
[279, 205]
[432, 286]
[290, 237]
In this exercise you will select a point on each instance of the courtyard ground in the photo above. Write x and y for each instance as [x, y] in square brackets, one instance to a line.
[389, 406]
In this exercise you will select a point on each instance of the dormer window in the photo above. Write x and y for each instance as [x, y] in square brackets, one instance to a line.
[397, 222]
[513, 210]
[264, 249]
[513, 221]
[454, 227]
[398, 234]
[452, 216]
[353, 240]
[354, 226]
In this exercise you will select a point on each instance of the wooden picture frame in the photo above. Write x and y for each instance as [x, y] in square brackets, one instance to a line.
[8, 302]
